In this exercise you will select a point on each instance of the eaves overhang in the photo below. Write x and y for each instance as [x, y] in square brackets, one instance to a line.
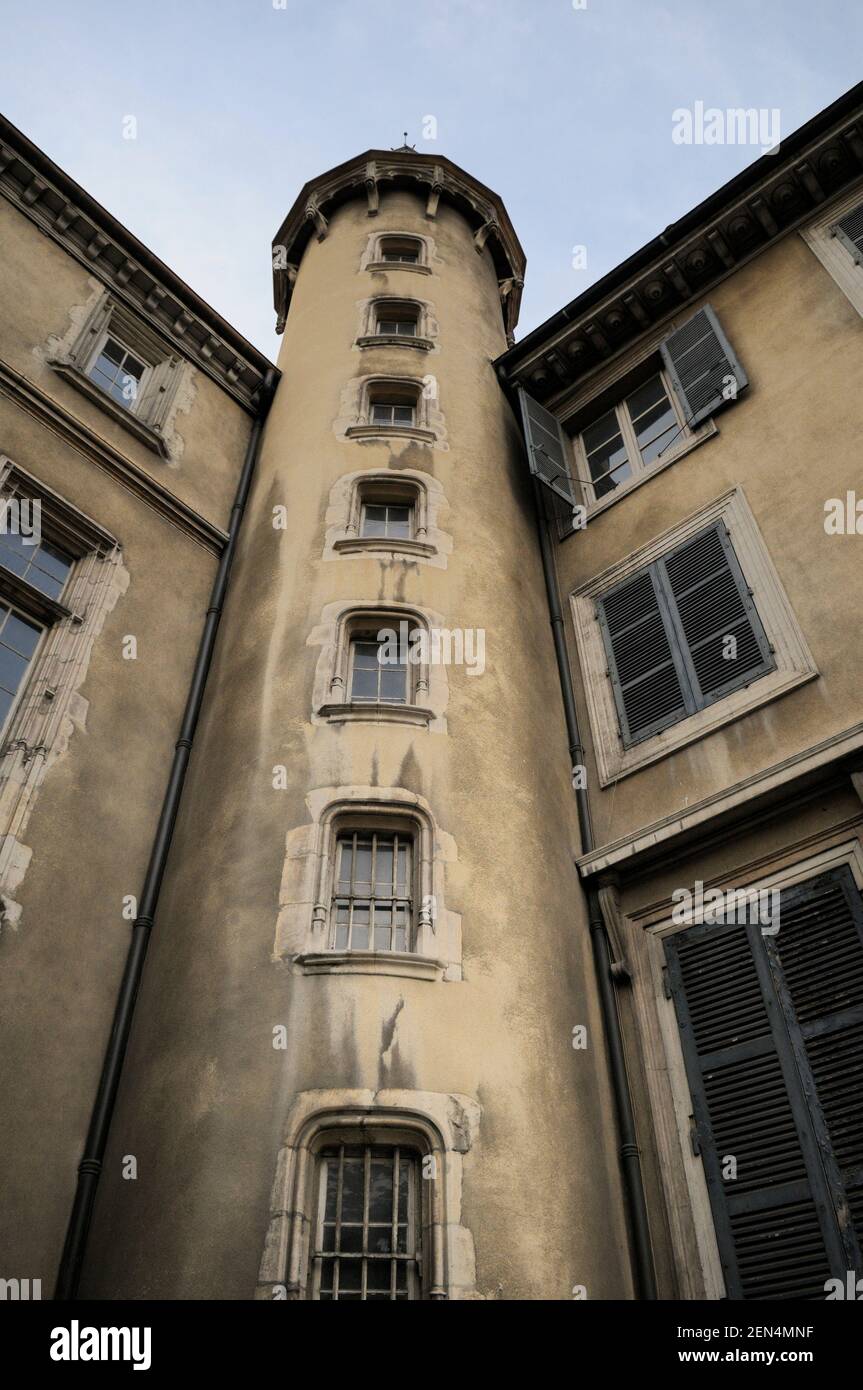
[368, 176]
[751, 212]
[62, 209]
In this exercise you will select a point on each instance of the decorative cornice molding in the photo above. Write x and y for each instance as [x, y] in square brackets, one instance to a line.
[86, 231]
[367, 176]
[772, 198]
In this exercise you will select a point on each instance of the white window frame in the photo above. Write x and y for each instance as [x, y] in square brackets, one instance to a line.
[673, 448]
[831, 251]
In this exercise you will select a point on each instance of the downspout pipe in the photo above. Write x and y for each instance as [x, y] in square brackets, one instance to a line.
[90, 1167]
[630, 1158]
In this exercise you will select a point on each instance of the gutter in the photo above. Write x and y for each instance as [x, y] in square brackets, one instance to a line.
[630, 1158]
[90, 1167]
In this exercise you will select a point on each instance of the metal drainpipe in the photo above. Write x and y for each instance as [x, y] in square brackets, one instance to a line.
[630, 1159]
[90, 1167]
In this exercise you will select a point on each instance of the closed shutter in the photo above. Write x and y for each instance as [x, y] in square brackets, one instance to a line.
[703, 366]
[849, 230]
[650, 687]
[782, 1216]
[548, 449]
[713, 604]
[667, 632]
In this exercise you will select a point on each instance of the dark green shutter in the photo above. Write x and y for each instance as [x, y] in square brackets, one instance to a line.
[699, 358]
[665, 629]
[712, 602]
[783, 1224]
[548, 449]
[849, 230]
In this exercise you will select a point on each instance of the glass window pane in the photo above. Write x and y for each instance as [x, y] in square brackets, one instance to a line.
[352, 1190]
[345, 860]
[374, 521]
[350, 1277]
[394, 684]
[360, 936]
[363, 867]
[404, 414]
[54, 561]
[12, 668]
[601, 431]
[21, 635]
[608, 458]
[381, 1192]
[113, 352]
[364, 685]
[351, 1240]
[384, 865]
[645, 398]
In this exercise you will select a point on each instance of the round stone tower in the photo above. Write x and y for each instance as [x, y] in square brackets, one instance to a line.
[353, 1071]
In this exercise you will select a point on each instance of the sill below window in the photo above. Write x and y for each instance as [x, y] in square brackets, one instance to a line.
[357, 545]
[82, 383]
[685, 446]
[360, 712]
[395, 340]
[386, 266]
[390, 432]
[402, 963]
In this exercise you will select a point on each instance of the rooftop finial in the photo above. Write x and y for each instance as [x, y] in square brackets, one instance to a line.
[405, 146]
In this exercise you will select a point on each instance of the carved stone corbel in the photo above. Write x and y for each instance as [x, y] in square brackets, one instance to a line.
[371, 182]
[434, 193]
[481, 235]
[315, 216]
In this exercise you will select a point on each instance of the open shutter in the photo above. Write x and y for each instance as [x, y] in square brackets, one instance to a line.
[711, 602]
[701, 363]
[548, 449]
[819, 950]
[849, 230]
[650, 686]
[776, 1238]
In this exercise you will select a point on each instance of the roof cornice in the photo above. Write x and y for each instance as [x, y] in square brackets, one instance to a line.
[62, 209]
[367, 176]
[765, 202]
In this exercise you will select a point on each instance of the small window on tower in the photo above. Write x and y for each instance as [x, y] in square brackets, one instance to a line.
[401, 250]
[393, 403]
[372, 891]
[375, 676]
[392, 520]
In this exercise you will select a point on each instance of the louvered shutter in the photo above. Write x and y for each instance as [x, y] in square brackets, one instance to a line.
[711, 602]
[700, 360]
[650, 687]
[548, 450]
[819, 949]
[849, 230]
[782, 1223]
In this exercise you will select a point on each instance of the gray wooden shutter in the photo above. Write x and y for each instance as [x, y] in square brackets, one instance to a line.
[548, 449]
[819, 953]
[774, 1240]
[773, 1064]
[849, 230]
[650, 686]
[699, 360]
[710, 601]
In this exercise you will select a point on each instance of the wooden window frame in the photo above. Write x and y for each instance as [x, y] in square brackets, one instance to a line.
[637, 466]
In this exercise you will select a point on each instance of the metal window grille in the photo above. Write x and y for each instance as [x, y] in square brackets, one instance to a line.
[372, 902]
[367, 1237]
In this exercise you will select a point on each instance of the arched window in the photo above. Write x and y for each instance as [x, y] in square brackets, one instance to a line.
[380, 667]
[401, 250]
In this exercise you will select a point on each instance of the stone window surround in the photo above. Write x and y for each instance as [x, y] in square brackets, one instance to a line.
[440, 1127]
[306, 892]
[372, 257]
[420, 392]
[832, 254]
[344, 512]
[48, 709]
[369, 337]
[794, 661]
[150, 417]
[639, 939]
[331, 702]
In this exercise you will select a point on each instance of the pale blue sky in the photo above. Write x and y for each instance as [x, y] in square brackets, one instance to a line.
[566, 113]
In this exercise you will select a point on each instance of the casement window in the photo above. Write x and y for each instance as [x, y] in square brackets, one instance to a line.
[629, 431]
[681, 634]
[118, 372]
[372, 907]
[631, 435]
[367, 1235]
[375, 675]
[393, 413]
[771, 1028]
[400, 250]
[128, 370]
[397, 320]
[394, 520]
[19, 638]
[835, 236]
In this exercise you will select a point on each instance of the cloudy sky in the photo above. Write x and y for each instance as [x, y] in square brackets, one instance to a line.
[565, 109]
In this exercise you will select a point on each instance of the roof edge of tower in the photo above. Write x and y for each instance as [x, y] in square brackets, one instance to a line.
[364, 176]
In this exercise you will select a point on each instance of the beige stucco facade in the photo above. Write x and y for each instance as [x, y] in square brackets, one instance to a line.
[485, 1046]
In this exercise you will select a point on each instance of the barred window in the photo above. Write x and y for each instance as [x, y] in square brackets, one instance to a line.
[367, 1236]
[372, 901]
